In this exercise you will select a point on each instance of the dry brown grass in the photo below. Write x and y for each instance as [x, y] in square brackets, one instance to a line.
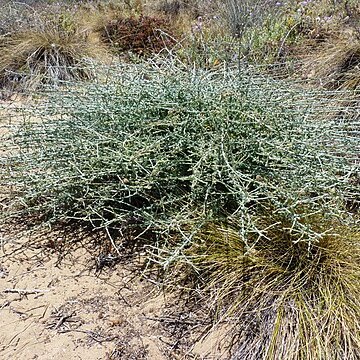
[48, 54]
[337, 62]
[290, 300]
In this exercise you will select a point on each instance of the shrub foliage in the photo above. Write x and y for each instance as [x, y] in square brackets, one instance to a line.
[203, 144]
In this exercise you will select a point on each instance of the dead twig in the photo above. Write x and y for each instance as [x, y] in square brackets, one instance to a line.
[99, 338]
[171, 320]
[25, 291]
[60, 320]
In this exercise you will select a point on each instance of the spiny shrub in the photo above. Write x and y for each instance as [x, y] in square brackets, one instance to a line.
[141, 35]
[156, 148]
[160, 154]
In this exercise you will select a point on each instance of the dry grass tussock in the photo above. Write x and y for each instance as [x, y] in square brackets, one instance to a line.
[337, 62]
[54, 51]
[289, 300]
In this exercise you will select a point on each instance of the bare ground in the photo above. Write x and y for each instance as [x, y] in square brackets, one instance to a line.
[56, 305]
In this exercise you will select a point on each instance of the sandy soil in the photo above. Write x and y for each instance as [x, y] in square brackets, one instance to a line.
[67, 310]
[64, 297]
[69, 307]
